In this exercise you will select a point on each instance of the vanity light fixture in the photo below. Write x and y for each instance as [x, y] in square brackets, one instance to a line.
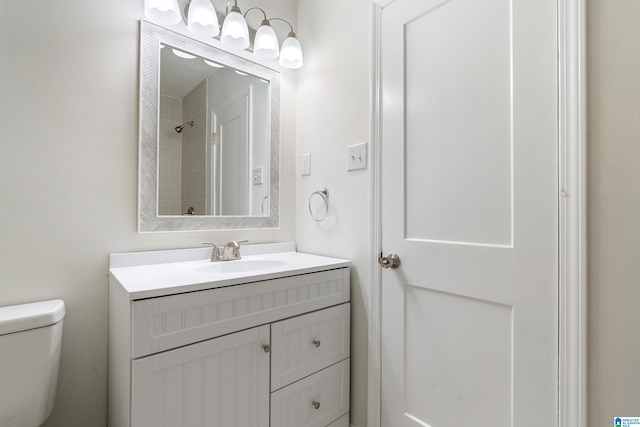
[235, 31]
[164, 12]
[265, 42]
[291, 51]
[202, 20]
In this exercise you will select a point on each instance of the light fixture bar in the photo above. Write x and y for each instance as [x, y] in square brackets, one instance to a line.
[203, 20]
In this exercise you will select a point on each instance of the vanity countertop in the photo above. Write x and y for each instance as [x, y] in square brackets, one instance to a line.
[159, 273]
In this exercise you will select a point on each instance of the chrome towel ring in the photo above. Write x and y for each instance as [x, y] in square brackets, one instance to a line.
[323, 193]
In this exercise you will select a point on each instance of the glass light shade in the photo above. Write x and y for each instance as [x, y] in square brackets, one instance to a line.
[291, 53]
[235, 32]
[202, 19]
[265, 44]
[164, 12]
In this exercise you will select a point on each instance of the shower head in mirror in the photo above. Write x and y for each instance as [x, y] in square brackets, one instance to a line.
[182, 126]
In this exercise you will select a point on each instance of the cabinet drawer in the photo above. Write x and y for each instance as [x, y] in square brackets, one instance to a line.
[172, 321]
[315, 401]
[308, 343]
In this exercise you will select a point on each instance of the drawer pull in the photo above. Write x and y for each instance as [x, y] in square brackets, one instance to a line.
[266, 348]
[316, 404]
[316, 343]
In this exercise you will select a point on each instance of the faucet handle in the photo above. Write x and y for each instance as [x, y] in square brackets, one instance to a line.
[235, 247]
[215, 255]
[236, 243]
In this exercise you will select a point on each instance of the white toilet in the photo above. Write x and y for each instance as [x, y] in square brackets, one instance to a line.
[30, 340]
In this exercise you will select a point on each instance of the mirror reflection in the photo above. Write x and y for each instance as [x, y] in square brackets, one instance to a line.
[213, 138]
[209, 137]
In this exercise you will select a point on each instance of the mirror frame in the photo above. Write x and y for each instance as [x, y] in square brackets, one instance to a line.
[151, 36]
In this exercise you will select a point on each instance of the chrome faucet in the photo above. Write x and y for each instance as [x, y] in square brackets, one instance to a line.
[230, 251]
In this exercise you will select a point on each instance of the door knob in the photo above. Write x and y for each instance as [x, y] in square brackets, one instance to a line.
[390, 261]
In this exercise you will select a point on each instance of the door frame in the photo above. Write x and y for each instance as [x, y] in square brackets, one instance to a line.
[572, 232]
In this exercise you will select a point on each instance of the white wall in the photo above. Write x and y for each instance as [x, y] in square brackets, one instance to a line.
[614, 209]
[68, 174]
[333, 113]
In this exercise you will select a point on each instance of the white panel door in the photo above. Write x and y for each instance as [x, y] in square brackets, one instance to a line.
[470, 203]
[231, 181]
[223, 382]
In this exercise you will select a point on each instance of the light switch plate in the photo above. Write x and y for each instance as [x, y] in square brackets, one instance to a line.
[257, 175]
[357, 156]
[306, 164]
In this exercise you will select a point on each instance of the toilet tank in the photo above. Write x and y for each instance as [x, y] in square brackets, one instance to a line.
[30, 340]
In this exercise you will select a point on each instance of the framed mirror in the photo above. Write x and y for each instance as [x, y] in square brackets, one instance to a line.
[209, 137]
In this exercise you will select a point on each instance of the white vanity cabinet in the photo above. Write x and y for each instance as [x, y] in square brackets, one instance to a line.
[257, 351]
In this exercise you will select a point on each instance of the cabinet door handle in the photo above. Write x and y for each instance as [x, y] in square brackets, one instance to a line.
[266, 348]
[316, 404]
[316, 343]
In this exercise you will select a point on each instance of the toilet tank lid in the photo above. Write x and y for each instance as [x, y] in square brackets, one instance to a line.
[17, 318]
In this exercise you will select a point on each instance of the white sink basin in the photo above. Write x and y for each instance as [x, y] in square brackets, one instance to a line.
[241, 266]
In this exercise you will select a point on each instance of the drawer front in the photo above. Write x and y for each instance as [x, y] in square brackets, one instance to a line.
[168, 322]
[309, 343]
[315, 401]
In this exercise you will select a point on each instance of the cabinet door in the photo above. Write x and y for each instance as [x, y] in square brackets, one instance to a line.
[306, 344]
[223, 382]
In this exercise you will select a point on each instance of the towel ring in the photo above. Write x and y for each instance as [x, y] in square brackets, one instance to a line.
[324, 194]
